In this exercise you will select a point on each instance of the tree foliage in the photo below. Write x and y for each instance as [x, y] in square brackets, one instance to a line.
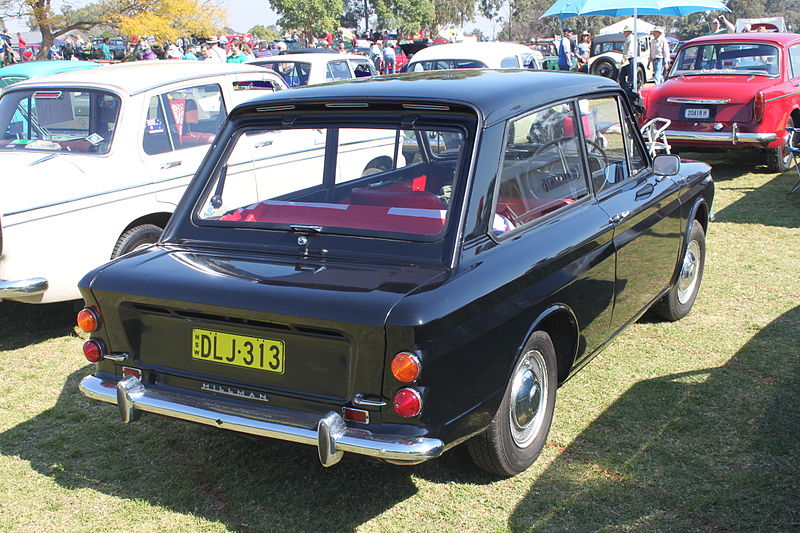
[264, 33]
[164, 19]
[406, 16]
[308, 16]
[170, 19]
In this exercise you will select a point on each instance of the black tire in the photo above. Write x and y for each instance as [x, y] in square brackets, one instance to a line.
[135, 238]
[677, 303]
[376, 166]
[780, 159]
[605, 68]
[641, 78]
[506, 447]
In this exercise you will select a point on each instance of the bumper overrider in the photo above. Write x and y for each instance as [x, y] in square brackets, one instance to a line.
[22, 287]
[329, 434]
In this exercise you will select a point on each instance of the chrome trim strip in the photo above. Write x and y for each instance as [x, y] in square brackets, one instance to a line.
[714, 136]
[22, 287]
[677, 100]
[196, 77]
[782, 96]
[133, 397]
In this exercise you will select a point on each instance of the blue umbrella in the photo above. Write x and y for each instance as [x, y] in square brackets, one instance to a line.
[617, 8]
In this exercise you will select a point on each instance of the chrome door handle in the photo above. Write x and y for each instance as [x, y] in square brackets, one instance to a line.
[262, 144]
[619, 217]
[171, 164]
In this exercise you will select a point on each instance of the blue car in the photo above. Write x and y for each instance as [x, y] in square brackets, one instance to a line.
[34, 69]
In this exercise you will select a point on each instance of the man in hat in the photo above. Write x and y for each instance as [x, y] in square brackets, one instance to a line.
[715, 26]
[565, 54]
[659, 54]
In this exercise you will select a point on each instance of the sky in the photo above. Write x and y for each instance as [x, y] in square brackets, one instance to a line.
[242, 15]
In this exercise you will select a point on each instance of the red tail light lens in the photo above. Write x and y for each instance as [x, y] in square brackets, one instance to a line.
[406, 367]
[93, 350]
[758, 107]
[407, 403]
[88, 319]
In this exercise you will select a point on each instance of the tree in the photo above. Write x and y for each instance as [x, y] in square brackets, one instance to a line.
[406, 16]
[309, 16]
[263, 33]
[457, 12]
[166, 19]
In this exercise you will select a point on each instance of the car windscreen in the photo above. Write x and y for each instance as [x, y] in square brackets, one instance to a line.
[294, 73]
[58, 120]
[607, 46]
[393, 183]
[727, 58]
[445, 64]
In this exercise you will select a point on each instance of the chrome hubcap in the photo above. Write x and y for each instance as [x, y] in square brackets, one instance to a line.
[528, 396]
[688, 276]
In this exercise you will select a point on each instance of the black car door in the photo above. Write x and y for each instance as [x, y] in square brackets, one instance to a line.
[643, 208]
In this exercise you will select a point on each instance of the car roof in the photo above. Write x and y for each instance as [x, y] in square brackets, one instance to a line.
[476, 51]
[139, 76]
[755, 36]
[34, 69]
[496, 94]
[314, 59]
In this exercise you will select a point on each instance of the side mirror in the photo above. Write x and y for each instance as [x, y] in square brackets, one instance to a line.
[666, 164]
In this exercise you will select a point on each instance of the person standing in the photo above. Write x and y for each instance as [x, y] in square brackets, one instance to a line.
[213, 52]
[237, 55]
[389, 58]
[105, 49]
[715, 26]
[584, 49]
[626, 73]
[565, 54]
[659, 54]
[189, 54]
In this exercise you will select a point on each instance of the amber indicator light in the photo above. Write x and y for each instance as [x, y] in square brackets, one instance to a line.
[406, 367]
[88, 319]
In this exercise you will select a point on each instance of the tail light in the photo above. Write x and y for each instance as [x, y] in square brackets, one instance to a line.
[406, 367]
[407, 403]
[88, 319]
[758, 107]
[94, 350]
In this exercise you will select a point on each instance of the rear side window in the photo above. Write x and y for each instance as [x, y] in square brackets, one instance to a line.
[183, 118]
[794, 58]
[294, 73]
[337, 70]
[542, 169]
[509, 62]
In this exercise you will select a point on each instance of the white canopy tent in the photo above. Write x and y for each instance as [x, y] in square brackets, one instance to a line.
[641, 26]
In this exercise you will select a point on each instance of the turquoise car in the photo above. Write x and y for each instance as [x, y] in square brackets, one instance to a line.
[34, 69]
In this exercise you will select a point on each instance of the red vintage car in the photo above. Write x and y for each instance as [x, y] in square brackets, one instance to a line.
[729, 91]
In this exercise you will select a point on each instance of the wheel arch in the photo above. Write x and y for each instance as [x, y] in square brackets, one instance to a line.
[157, 219]
[700, 214]
[561, 325]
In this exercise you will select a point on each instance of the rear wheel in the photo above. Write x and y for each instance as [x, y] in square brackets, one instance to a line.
[780, 159]
[518, 431]
[605, 68]
[677, 303]
[136, 238]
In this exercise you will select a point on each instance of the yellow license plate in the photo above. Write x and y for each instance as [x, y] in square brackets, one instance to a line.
[238, 350]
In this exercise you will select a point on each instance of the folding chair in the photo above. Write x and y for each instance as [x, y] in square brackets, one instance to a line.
[793, 145]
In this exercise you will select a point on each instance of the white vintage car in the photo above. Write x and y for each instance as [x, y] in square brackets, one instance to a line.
[95, 161]
[312, 68]
[474, 55]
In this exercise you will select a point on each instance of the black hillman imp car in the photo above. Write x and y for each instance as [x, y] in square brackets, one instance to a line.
[391, 267]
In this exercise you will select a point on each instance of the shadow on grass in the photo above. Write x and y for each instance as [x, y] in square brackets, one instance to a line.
[767, 205]
[25, 324]
[729, 165]
[711, 450]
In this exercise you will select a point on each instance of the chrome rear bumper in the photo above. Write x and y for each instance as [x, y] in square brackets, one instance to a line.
[329, 434]
[22, 287]
[732, 137]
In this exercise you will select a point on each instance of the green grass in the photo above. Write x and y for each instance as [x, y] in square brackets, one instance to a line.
[692, 426]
